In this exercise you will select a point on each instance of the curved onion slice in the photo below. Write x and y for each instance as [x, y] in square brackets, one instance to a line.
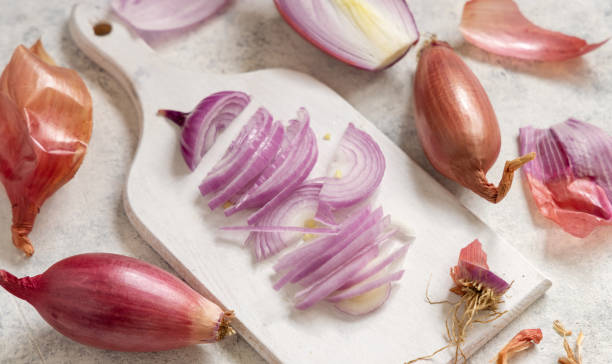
[258, 161]
[499, 27]
[571, 179]
[288, 170]
[251, 136]
[344, 267]
[209, 118]
[368, 34]
[296, 210]
[357, 170]
[156, 15]
[366, 302]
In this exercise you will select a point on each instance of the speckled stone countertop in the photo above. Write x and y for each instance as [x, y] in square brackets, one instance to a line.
[250, 35]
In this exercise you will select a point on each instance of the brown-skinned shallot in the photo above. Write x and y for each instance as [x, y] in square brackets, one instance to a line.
[456, 123]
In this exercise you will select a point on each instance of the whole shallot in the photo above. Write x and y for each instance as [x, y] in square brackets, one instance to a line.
[119, 303]
[45, 125]
[456, 122]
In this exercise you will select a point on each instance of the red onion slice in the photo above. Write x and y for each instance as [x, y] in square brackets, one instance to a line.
[282, 229]
[365, 287]
[498, 26]
[209, 118]
[299, 207]
[287, 171]
[158, 15]
[310, 257]
[357, 170]
[367, 273]
[360, 243]
[334, 280]
[368, 34]
[251, 136]
[366, 302]
[258, 161]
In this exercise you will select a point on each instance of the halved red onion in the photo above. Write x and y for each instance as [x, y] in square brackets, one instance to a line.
[571, 180]
[499, 27]
[158, 15]
[299, 207]
[251, 136]
[258, 161]
[201, 126]
[356, 172]
[368, 34]
[288, 170]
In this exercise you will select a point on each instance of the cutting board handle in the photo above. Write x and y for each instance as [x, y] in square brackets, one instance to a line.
[121, 52]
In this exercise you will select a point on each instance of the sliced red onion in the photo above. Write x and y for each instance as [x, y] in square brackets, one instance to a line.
[288, 170]
[498, 26]
[352, 248]
[366, 302]
[258, 161]
[368, 34]
[365, 287]
[472, 266]
[209, 118]
[571, 179]
[357, 170]
[308, 258]
[251, 136]
[344, 265]
[369, 272]
[282, 229]
[335, 280]
[158, 15]
[295, 210]
[321, 246]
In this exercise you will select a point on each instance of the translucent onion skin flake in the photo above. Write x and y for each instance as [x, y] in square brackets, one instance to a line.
[499, 27]
[571, 180]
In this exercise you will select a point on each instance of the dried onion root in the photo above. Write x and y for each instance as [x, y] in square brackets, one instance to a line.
[480, 290]
[573, 356]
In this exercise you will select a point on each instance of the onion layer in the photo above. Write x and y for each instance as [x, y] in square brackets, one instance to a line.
[499, 27]
[119, 303]
[357, 170]
[456, 123]
[288, 170]
[251, 136]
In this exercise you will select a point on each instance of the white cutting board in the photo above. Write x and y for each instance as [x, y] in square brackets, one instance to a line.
[163, 202]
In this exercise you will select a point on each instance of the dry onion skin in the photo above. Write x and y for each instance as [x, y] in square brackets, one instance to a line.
[521, 341]
[45, 125]
[573, 356]
[456, 122]
[499, 27]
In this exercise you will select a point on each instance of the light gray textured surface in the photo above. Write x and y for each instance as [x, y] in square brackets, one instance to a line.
[253, 37]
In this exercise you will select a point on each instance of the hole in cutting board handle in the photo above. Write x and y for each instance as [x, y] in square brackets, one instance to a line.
[102, 28]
